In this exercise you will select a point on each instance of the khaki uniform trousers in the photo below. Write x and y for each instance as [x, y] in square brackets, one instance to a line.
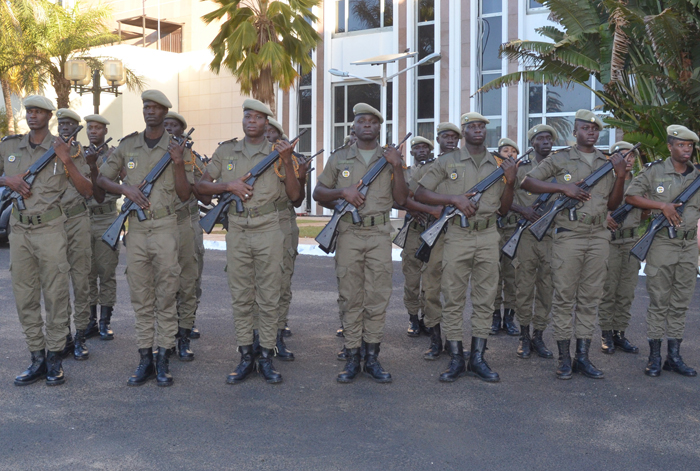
[579, 267]
[614, 312]
[153, 274]
[39, 265]
[289, 227]
[413, 297]
[199, 250]
[432, 278]
[103, 279]
[671, 269]
[254, 268]
[533, 281]
[364, 269]
[469, 256]
[79, 238]
[505, 293]
[187, 259]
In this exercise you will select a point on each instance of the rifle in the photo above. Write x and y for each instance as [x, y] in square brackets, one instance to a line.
[226, 198]
[430, 235]
[540, 227]
[34, 170]
[400, 238]
[641, 248]
[327, 237]
[111, 235]
[511, 246]
[97, 149]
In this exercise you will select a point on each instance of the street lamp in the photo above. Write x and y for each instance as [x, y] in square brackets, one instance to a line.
[384, 79]
[78, 73]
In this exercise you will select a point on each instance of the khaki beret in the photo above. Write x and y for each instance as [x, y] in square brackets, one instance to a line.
[156, 96]
[95, 118]
[66, 113]
[622, 145]
[275, 124]
[540, 128]
[444, 127]
[38, 101]
[681, 132]
[177, 116]
[421, 140]
[507, 142]
[473, 117]
[364, 108]
[255, 105]
[589, 117]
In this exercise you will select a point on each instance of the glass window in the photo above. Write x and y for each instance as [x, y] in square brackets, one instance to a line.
[340, 16]
[490, 101]
[426, 130]
[491, 42]
[426, 10]
[426, 46]
[535, 98]
[304, 146]
[305, 106]
[493, 133]
[364, 93]
[358, 15]
[388, 14]
[389, 115]
[426, 98]
[339, 134]
[535, 4]
[339, 104]
[346, 96]
[567, 99]
[490, 6]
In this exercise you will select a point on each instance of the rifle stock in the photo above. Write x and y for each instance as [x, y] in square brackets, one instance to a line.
[511, 246]
[400, 239]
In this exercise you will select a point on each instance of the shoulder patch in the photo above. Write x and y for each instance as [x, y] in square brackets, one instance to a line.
[11, 136]
[129, 135]
[561, 150]
[235, 139]
[649, 164]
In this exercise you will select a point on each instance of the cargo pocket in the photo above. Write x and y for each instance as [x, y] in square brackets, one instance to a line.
[650, 270]
[64, 267]
[515, 263]
[292, 252]
[340, 272]
[557, 263]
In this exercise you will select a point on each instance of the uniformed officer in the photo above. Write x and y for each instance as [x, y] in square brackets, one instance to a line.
[505, 294]
[103, 212]
[363, 256]
[38, 246]
[470, 253]
[448, 137]
[78, 233]
[614, 312]
[671, 264]
[152, 245]
[580, 248]
[532, 262]
[254, 242]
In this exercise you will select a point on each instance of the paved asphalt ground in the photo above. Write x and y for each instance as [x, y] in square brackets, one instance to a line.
[529, 420]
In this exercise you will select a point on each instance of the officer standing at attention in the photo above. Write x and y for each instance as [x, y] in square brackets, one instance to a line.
[448, 137]
[614, 312]
[470, 253]
[254, 242]
[532, 262]
[363, 255]
[580, 248]
[671, 265]
[505, 293]
[78, 233]
[103, 212]
[153, 271]
[38, 244]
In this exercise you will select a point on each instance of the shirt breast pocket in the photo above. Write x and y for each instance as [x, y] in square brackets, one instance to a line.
[13, 165]
[455, 177]
[345, 175]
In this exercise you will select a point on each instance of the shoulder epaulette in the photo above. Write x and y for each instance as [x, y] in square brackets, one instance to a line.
[649, 164]
[429, 161]
[11, 136]
[235, 139]
[562, 149]
[525, 160]
[129, 135]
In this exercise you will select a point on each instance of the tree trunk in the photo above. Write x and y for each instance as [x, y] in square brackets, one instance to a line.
[7, 96]
[62, 87]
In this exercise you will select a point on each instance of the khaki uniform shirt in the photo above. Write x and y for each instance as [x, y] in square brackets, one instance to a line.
[16, 156]
[71, 197]
[416, 172]
[109, 197]
[569, 166]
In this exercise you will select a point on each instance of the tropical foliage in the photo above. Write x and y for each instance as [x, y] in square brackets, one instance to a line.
[263, 43]
[645, 53]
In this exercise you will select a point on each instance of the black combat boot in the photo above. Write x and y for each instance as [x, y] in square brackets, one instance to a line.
[413, 326]
[457, 366]
[286, 332]
[281, 350]
[54, 369]
[245, 367]
[163, 376]
[373, 368]
[607, 345]
[433, 353]
[352, 366]
[91, 330]
[538, 345]
[340, 332]
[582, 364]
[343, 354]
[654, 364]
[674, 362]
[623, 343]
[266, 368]
[80, 350]
[509, 324]
[477, 365]
[184, 352]
[105, 318]
[70, 346]
[256, 343]
[194, 333]
[523, 350]
[496, 322]
[564, 368]
[146, 369]
[35, 372]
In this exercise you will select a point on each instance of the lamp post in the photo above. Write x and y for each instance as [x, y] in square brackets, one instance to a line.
[384, 79]
[78, 73]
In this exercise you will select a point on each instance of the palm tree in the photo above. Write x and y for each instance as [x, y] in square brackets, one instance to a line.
[262, 43]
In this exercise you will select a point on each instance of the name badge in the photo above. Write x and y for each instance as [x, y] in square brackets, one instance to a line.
[453, 176]
[346, 173]
[659, 189]
[131, 165]
[567, 177]
[11, 158]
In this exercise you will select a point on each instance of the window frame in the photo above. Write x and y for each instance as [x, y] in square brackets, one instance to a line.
[346, 33]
